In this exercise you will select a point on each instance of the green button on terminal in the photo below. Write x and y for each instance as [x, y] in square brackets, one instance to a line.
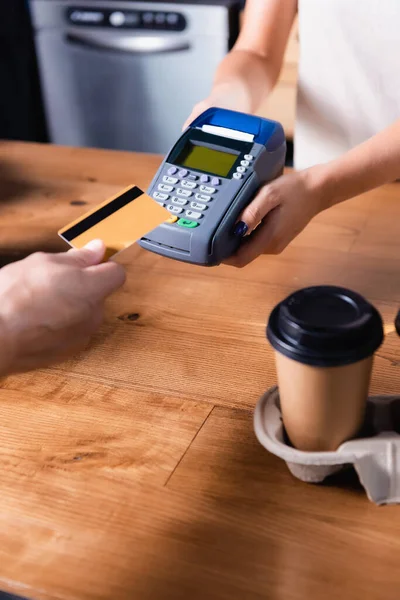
[187, 223]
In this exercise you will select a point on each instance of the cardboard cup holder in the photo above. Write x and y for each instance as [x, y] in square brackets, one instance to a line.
[374, 454]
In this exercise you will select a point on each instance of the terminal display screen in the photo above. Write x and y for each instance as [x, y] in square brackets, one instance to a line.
[202, 158]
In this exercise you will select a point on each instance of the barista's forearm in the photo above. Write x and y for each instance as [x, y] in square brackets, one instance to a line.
[250, 75]
[365, 167]
[253, 66]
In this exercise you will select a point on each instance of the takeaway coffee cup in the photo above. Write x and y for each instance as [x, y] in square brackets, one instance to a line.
[324, 338]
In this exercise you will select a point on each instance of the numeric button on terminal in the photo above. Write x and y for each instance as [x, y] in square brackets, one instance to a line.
[171, 180]
[184, 193]
[174, 209]
[165, 188]
[203, 198]
[160, 196]
[198, 206]
[190, 185]
[179, 201]
[205, 189]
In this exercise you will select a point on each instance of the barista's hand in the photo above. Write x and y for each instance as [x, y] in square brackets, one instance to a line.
[50, 305]
[230, 96]
[280, 211]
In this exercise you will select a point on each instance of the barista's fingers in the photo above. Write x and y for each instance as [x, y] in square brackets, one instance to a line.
[268, 198]
[268, 239]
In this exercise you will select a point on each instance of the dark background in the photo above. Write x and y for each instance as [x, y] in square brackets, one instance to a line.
[21, 116]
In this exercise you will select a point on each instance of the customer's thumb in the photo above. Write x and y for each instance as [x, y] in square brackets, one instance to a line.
[89, 255]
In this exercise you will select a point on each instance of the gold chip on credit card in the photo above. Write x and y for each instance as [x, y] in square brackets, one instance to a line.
[119, 221]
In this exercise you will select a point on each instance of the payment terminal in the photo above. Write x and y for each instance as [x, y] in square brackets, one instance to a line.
[209, 176]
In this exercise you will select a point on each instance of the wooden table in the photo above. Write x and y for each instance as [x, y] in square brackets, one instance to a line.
[132, 471]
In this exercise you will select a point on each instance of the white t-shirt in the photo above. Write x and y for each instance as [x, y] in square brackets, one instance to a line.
[349, 75]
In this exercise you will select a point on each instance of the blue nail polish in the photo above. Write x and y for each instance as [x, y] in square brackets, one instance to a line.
[241, 229]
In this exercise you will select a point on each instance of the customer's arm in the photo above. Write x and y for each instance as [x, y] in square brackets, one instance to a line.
[286, 205]
[249, 72]
[50, 305]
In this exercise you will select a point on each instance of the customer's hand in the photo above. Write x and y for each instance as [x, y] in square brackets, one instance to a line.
[279, 212]
[50, 305]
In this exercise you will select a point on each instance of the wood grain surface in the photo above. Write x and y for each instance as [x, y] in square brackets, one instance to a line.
[132, 470]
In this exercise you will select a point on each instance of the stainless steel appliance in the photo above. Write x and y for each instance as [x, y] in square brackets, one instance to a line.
[125, 75]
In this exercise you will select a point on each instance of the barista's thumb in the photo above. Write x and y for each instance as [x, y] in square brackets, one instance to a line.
[265, 201]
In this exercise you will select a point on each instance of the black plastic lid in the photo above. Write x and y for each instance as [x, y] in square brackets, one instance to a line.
[397, 323]
[325, 326]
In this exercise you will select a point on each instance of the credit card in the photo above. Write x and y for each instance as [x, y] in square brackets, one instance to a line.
[119, 221]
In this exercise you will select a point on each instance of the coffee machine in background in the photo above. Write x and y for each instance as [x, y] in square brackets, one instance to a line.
[125, 74]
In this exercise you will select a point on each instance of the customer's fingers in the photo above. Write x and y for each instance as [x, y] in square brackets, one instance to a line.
[101, 280]
[91, 254]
